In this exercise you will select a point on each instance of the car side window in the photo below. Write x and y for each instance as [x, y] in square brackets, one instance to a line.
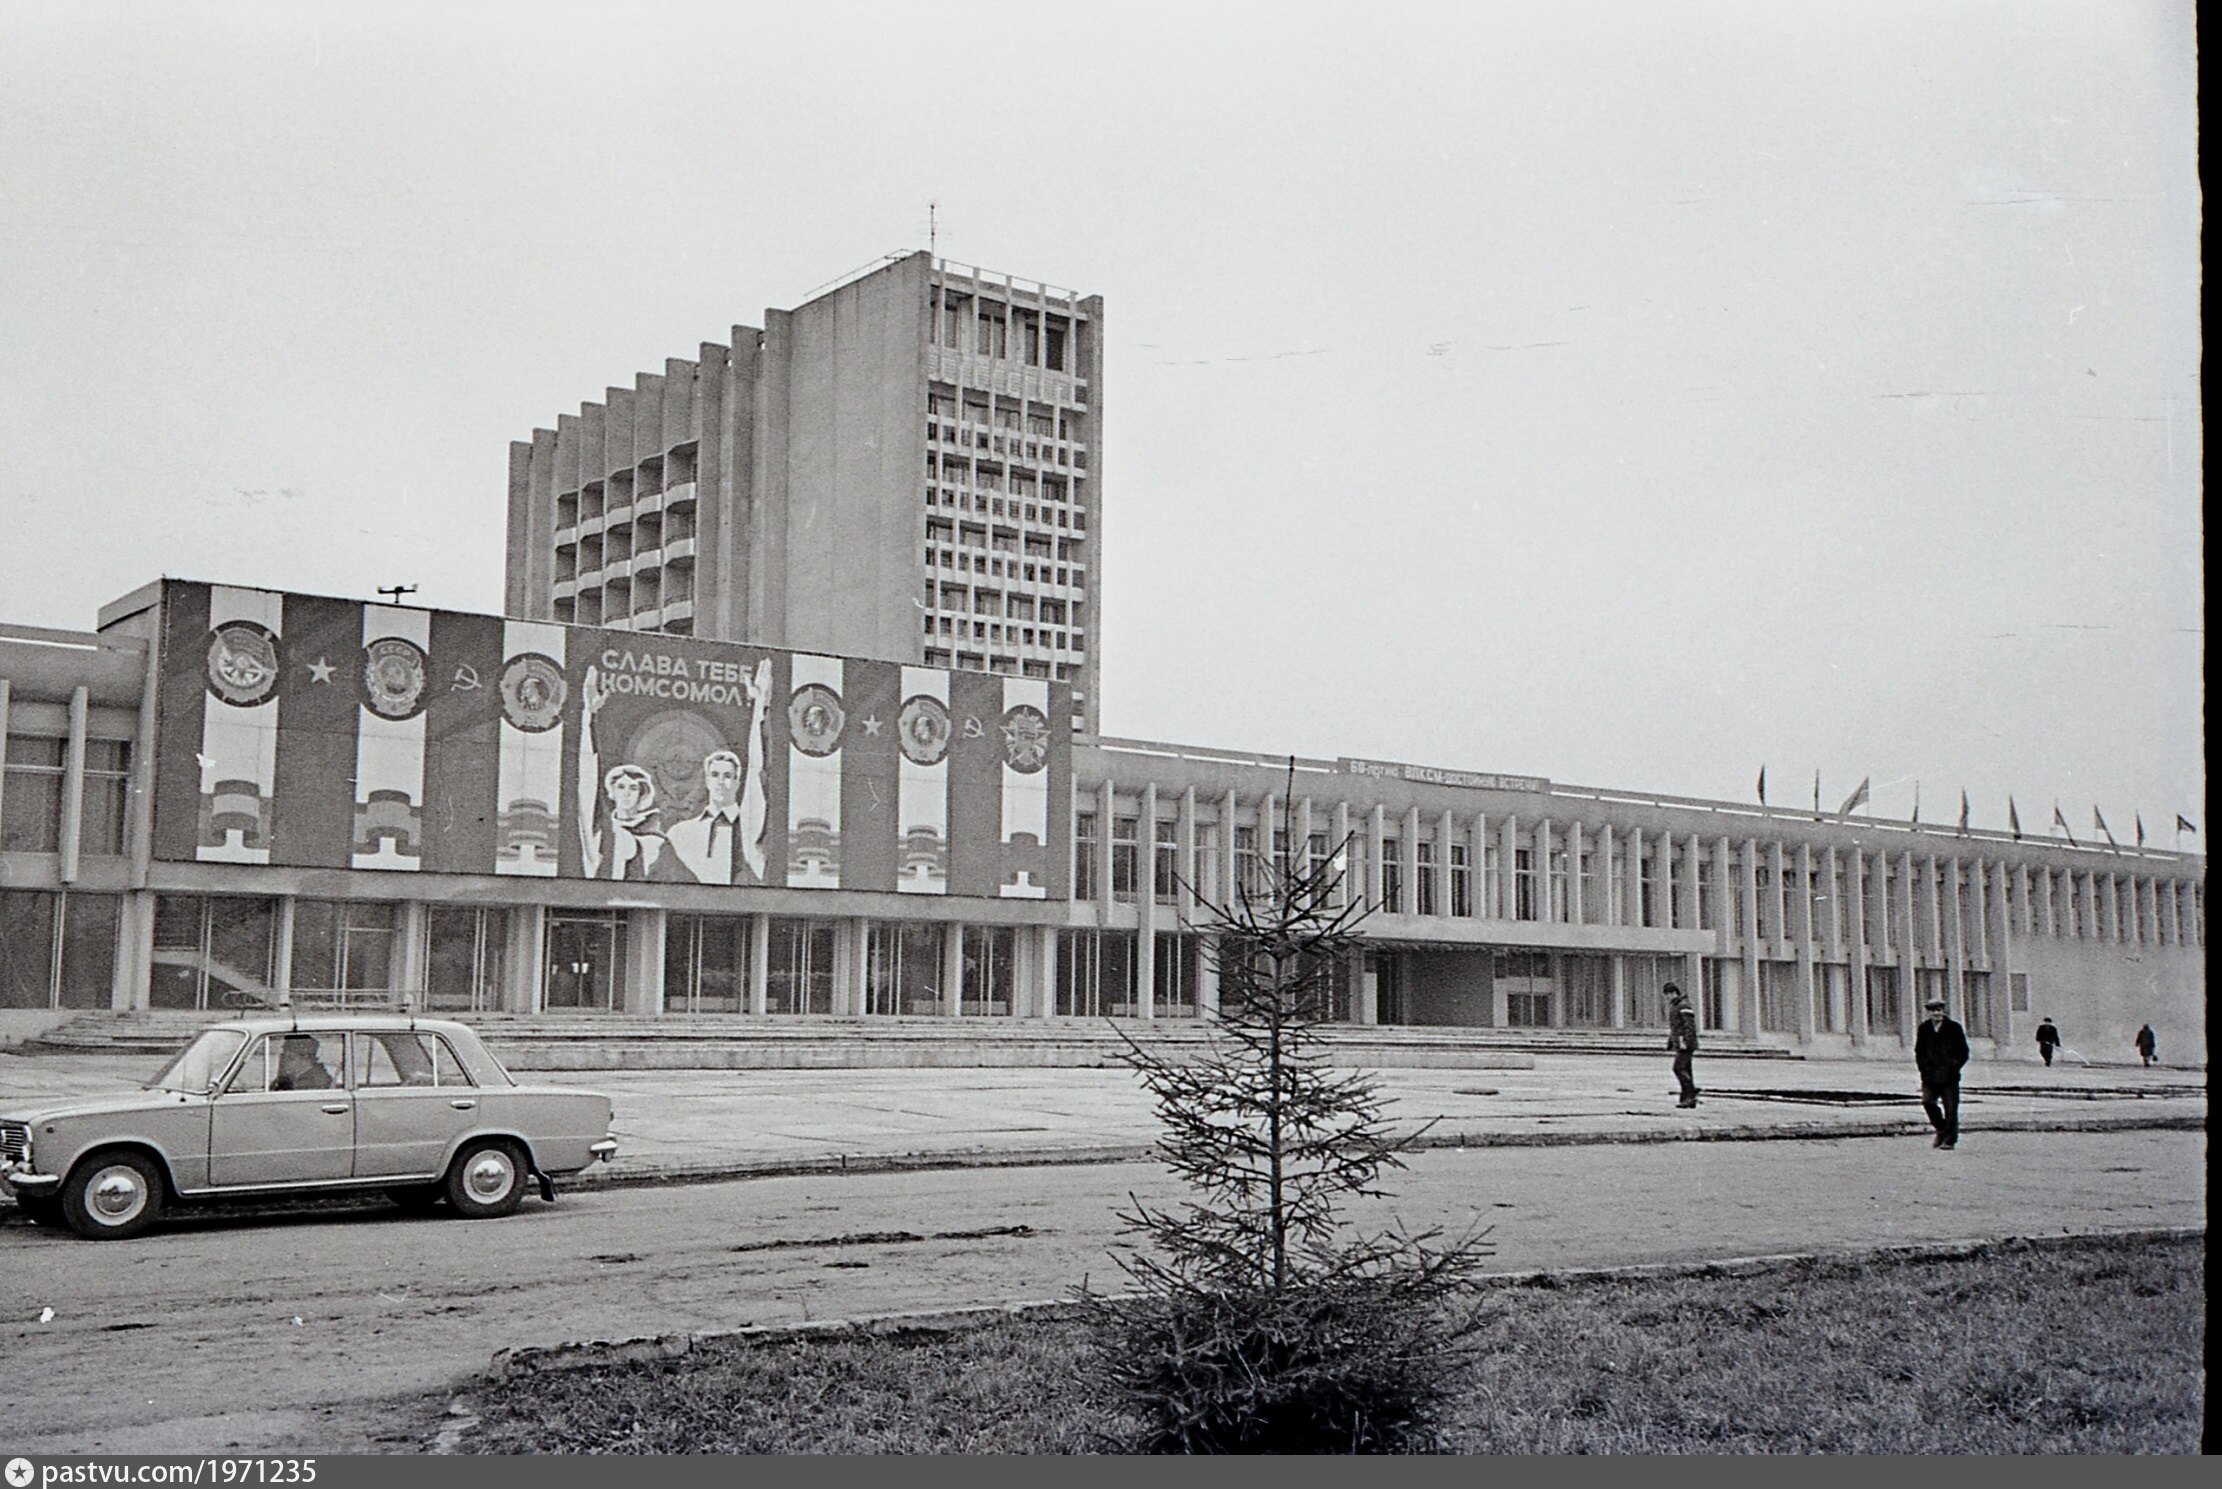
[296, 1061]
[397, 1058]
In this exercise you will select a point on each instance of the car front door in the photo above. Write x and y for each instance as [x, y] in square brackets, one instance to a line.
[412, 1101]
[286, 1116]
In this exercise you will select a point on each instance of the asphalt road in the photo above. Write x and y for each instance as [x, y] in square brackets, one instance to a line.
[283, 1333]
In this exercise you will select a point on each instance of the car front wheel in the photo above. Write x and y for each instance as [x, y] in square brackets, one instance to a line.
[112, 1195]
[487, 1179]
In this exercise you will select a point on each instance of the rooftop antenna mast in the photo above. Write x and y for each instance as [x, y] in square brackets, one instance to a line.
[397, 590]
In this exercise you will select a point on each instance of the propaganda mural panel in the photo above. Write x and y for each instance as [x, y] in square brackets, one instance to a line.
[315, 732]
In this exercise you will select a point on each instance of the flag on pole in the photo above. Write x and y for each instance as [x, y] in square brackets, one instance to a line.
[1963, 809]
[2059, 820]
[1762, 785]
[1816, 793]
[2185, 824]
[1857, 799]
[2013, 819]
[2140, 829]
[1917, 801]
[2100, 823]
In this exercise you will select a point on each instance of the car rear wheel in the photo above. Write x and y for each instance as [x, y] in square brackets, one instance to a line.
[112, 1195]
[487, 1179]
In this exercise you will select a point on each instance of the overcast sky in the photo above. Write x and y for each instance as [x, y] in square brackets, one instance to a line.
[1633, 394]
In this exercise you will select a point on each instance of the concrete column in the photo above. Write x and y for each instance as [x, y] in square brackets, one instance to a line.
[281, 973]
[130, 987]
[1184, 830]
[1145, 938]
[1106, 829]
[1445, 835]
[1577, 891]
[2110, 910]
[759, 964]
[1692, 872]
[527, 964]
[1979, 909]
[1269, 831]
[1340, 832]
[4, 701]
[73, 787]
[1955, 938]
[1910, 955]
[1611, 883]
[1808, 983]
[1300, 836]
[409, 970]
[1207, 975]
[1508, 862]
[1747, 887]
[1635, 878]
[1366, 1002]
[1998, 934]
[1485, 899]
[850, 987]
[1855, 947]
[952, 970]
[1227, 808]
[1617, 1015]
[1376, 836]
[1045, 971]
[643, 992]
[1544, 842]
[1408, 854]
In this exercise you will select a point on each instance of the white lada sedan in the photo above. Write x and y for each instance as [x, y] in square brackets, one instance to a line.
[307, 1104]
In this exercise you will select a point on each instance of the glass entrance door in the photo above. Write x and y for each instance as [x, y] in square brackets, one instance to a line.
[584, 962]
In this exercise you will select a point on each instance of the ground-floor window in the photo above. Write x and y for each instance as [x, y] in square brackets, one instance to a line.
[344, 946]
[1644, 980]
[466, 955]
[706, 963]
[798, 974]
[1174, 983]
[1778, 997]
[990, 970]
[213, 951]
[585, 960]
[1884, 1005]
[903, 969]
[1713, 1004]
[1930, 983]
[1095, 974]
[1975, 998]
[1588, 981]
[57, 949]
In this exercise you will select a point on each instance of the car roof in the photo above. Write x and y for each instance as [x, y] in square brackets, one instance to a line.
[319, 1021]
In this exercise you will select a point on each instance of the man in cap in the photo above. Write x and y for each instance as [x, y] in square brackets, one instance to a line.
[1939, 1050]
[1682, 1040]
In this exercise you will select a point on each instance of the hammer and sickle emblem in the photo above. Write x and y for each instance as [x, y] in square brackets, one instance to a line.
[466, 679]
[972, 729]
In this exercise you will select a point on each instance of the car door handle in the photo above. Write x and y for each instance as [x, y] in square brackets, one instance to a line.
[462, 1106]
[337, 1108]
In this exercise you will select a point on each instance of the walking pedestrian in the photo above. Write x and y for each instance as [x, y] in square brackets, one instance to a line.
[2147, 1045]
[1939, 1050]
[2048, 1039]
[1682, 1040]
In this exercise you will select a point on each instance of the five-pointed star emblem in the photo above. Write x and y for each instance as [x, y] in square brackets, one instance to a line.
[321, 670]
[872, 725]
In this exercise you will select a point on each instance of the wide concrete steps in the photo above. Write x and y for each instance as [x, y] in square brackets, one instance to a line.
[739, 1042]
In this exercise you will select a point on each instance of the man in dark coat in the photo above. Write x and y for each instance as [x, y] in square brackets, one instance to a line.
[2147, 1045]
[1939, 1050]
[2048, 1039]
[1682, 1040]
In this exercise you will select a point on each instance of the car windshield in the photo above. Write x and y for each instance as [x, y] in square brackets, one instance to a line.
[200, 1063]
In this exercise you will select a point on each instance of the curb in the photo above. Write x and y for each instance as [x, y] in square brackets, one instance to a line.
[681, 1172]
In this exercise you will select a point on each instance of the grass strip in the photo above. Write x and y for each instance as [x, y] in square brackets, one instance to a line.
[2085, 1346]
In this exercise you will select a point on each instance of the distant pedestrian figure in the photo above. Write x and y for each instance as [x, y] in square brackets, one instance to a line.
[1682, 1040]
[1939, 1050]
[2048, 1039]
[2147, 1045]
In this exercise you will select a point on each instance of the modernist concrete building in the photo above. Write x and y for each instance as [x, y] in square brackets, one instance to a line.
[792, 722]
[907, 466]
[1507, 903]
